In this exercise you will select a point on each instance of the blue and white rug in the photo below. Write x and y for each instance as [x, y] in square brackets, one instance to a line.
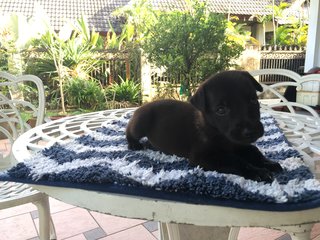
[101, 161]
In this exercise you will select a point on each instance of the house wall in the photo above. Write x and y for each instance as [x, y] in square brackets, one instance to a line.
[258, 30]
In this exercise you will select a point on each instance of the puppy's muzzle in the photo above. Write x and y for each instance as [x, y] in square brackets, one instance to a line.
[247, 134]
[250, 134]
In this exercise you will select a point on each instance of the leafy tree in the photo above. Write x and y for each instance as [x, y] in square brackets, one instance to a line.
[192, 43]
[16, 35]
[140, 17]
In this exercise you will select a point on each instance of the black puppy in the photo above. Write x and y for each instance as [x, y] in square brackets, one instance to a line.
[215, 130]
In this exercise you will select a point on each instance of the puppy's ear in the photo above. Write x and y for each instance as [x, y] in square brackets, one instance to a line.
[198, 100]
[256, 85]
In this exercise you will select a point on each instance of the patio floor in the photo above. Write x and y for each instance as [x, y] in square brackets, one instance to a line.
[74, 223]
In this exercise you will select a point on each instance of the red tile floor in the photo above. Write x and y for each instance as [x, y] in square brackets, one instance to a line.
[74, 223]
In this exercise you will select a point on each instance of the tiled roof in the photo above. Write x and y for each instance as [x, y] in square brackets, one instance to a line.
[98, 12]
[239, 7]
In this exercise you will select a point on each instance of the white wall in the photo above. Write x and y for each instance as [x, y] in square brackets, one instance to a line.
[313, 43]
[260, 32]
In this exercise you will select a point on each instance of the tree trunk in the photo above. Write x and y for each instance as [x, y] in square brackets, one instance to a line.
[128, 76]
[274, 25]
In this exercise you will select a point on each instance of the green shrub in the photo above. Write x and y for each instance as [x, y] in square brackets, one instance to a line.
[125, 91]
[191, 44]
[84, 94]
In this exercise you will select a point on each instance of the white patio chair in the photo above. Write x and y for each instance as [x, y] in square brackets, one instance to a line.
[13, 111]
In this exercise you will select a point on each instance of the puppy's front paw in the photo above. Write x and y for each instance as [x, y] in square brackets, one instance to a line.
[259, 175]
[265, 175]
[135, 146]
[273, 166]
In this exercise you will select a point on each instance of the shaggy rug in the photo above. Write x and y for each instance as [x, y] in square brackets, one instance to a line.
[101, 161]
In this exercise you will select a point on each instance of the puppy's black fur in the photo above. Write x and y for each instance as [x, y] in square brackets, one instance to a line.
[215, 130]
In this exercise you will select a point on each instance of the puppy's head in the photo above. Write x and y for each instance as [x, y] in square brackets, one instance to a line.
[229, 103]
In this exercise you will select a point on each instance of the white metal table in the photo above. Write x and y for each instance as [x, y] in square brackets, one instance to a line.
[178, 220]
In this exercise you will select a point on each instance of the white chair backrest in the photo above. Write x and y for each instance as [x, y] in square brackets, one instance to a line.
[278, 100]
[16, 109]
[298, 119]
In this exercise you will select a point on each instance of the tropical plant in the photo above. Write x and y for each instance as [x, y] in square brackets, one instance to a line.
[277, 13]
[191, 43]
[69, 54]
[114, 41]
[89, 36]
[293, 34]
[125, 91]
[235, 32]
[84, 94]
[53, 46]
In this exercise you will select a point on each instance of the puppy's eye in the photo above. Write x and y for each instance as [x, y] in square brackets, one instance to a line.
[222, 111]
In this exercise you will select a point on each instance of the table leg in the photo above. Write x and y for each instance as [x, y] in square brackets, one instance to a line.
[171, 231]
[234, 232]
[163, 231]
[299, 232]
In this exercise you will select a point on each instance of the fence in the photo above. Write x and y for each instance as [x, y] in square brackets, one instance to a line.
[112, 65]
[160, 75]
[284, 57]
[115, 65]
[287, 57]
